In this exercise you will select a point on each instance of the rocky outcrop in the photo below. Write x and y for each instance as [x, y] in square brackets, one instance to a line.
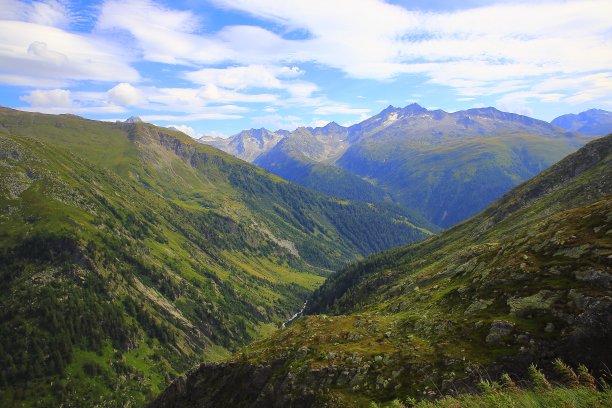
[234, 385]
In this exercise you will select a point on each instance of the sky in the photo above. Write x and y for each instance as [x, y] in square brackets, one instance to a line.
[219, 66]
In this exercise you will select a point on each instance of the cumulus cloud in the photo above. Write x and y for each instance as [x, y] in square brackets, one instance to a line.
[223, 83]
[125, 94]
[251, 76]
[214, 133]
[208, 114]
[212, 93]
[188, 130]
[54, 98]
[173, 104]
[301, 89]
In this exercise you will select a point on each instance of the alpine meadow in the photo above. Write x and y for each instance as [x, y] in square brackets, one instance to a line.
[304, 203]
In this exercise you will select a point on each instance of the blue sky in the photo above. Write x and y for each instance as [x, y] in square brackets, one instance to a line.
[217, 67]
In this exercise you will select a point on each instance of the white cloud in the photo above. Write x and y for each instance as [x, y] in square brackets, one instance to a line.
[162, 34]
[181, 100]
[125, 94]
[54, 98]
[515, 103]
[188, 130]
[39, 49]
[75, 110]
[237, 78]
[223, 83]
[319, 123]
[517, 52]
[301, 89]
[177, 104]
[213, 93]
[481, 51]
[50, 12]
[23, 80]
[209, 114]
[50, 55]
[471, 50]
[579, 89]
[339, 109]
[214, 133]
[276, 122]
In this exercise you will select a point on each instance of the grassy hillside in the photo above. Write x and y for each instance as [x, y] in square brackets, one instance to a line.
[526, 281]
[129, 252]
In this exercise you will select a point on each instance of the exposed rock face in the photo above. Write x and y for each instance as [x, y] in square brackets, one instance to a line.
[248, 144]
[133, 119]
[233, 385]
[499, 330]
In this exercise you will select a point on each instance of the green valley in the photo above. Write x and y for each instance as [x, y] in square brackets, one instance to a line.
[129, 252]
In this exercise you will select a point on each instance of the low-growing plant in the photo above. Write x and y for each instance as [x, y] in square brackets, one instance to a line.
[585, 378]
[568, 376]
[538, 378]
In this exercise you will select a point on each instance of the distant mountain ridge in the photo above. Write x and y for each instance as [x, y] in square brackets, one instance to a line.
[595, 122]
[447, 166]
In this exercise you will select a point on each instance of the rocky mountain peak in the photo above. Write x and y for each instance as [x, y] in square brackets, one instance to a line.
[331, 127]
[133, 119]
[413, 109]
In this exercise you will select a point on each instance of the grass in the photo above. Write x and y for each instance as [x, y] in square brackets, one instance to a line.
[558, 396]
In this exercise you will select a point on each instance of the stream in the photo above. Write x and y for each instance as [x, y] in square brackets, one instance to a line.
[295, 316]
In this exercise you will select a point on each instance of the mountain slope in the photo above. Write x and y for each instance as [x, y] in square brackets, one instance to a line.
[306, 157]
[525, 281]
[595, 122]
[128, 252]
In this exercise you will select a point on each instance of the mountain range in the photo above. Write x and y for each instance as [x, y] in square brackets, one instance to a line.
[446, 166]
[526, 281]
[594, 122]
[130, 252]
